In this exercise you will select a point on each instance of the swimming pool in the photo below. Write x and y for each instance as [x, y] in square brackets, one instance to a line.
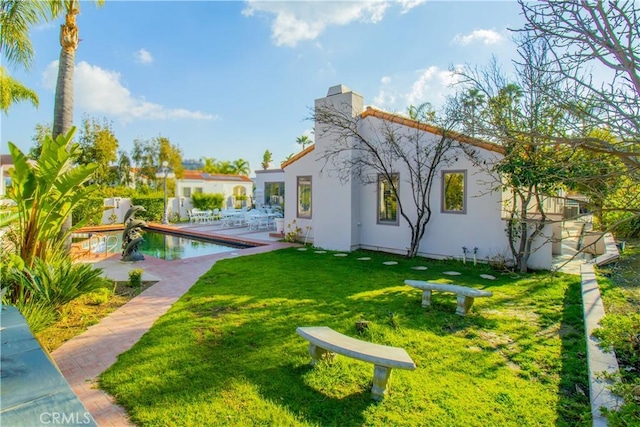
[162, 245]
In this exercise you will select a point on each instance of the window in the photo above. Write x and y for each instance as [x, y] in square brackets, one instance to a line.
[198, 190]
[454, 191]
[186, 191]
[274, 193]
[304, 197]
[387, 201]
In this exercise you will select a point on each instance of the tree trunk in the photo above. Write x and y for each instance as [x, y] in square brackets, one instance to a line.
[63, 107]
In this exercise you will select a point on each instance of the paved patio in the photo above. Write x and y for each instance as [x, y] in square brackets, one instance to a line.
[83, 358]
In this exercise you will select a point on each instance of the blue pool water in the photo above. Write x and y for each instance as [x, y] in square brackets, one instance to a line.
[169, 247]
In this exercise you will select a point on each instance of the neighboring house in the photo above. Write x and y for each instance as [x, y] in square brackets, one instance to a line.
[237, 189]
[344, 216]
[269, 188]
[6, 164]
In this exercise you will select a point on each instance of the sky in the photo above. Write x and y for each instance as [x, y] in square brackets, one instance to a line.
[230, 80]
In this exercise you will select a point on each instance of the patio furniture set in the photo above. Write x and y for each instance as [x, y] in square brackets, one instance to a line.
[254, 219]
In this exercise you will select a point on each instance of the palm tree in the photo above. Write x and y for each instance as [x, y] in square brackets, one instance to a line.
[473, 99]
[240, 167]
[266, 159]
[63, 103]
[209, 165]
[303, 140]
[12, 92]
[16, 18]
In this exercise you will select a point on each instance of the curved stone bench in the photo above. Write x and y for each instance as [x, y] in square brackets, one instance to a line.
[465, 294]
[324, 342]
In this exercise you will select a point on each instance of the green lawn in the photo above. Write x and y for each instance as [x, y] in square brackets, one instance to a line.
[227, 352]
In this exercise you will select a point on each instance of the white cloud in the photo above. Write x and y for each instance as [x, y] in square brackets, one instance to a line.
[143, 56]
[97, 90]
[487, 37]
[407, 5]
[433, 82]
[306, 20]
[386, 96]
[384, 99]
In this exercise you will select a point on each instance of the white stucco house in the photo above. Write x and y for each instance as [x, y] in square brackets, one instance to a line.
[345, 215]
[234, 187]
[6, 164]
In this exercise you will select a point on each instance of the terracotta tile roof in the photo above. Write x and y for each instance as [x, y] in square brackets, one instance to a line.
[298, 156]
[405, 121]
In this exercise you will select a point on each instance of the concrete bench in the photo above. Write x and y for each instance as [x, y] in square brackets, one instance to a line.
[324, 342]
[465, 294]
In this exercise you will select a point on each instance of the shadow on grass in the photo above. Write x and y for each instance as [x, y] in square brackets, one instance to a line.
[228, 349]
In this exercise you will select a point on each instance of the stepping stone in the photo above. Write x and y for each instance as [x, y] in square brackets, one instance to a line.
[364, 258]
[320, 252]
[451, 273]
[302, 249]
[390, 263]
[340, 255]
[487, 276]
[419, 267]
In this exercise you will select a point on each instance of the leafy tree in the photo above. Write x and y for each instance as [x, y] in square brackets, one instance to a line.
[124, 177]
[41, 132]
[519, 115]
[583, 36]
[148, 156]
[303, 140]
[98, 145]
[171, 153]
[145, 158]
[266, 159]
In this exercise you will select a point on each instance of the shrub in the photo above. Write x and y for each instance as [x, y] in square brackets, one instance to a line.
[39, 314]
[153, 204]
[622, 332]
[90, 210]
[207, 201]
[55, 282]
[135, 277]
[99, 296]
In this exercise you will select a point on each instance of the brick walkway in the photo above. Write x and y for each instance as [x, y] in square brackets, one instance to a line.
[83, 358]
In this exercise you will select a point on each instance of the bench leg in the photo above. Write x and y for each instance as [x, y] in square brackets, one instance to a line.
[426, 298]
[381, 376]
[319, 353]
[464, 304]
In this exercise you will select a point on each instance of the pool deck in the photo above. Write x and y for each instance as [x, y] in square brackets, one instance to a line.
[83, 358]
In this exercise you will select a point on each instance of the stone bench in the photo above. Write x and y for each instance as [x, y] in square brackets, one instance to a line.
[465, 294]
[324, 342]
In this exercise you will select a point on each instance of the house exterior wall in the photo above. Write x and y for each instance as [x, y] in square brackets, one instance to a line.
[305, 166]
[345, 213]
[263, 177]
[336, 218]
